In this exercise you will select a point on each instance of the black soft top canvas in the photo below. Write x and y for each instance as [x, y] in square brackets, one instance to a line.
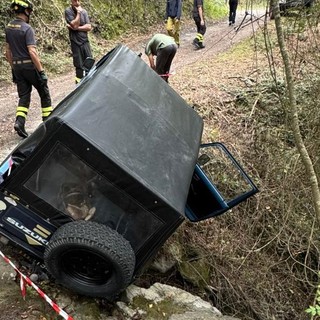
[135, 119]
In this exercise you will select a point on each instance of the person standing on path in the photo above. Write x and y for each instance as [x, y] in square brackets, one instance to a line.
[27, 70]
[79, 25]
[173, 16]
[198, 17]
[164, 48]
[233, 4]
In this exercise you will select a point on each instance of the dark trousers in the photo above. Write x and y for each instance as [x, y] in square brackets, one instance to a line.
[79, 54]
[26, 76]
[200, 29]
[164, 60]
[232, 11]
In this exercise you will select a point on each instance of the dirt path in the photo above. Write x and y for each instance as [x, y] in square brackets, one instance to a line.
[219, 38]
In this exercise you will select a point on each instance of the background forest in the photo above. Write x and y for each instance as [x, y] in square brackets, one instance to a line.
[261, 260]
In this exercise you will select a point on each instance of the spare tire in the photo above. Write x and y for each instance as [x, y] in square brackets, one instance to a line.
[90, 259]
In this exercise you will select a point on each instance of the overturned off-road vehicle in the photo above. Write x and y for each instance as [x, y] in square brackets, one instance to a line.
[99, 187]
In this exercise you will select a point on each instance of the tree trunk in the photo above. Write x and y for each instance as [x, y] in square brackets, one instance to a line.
[292, 110]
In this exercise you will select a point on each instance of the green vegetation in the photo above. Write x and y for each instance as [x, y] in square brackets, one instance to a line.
[215, 9]
[314, 310]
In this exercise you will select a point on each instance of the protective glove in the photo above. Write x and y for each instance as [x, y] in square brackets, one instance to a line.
[43, 77]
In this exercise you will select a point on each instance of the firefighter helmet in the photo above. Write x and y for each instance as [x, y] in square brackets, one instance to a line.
[19, 6]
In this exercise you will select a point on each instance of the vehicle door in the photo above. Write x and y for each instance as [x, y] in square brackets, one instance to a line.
[218, 184]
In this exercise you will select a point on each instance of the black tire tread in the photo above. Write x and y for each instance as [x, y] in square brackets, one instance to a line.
[95, 235]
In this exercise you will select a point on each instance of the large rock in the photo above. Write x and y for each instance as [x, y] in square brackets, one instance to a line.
[161, 301]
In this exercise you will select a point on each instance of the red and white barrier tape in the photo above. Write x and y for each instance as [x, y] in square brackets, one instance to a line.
[167, 74]
[24, 279]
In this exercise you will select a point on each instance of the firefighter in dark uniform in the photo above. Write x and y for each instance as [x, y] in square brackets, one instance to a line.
[198, 17]
[79, 25]
[233, 5]
[26, 67]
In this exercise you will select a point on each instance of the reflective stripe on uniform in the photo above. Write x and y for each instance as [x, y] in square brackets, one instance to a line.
[199, 37]
[46, 111]
[22, 111]
[22, 3]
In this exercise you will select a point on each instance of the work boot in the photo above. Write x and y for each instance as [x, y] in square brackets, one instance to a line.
[201, 45]
[198, 44]
[19, 127]
[195, 42]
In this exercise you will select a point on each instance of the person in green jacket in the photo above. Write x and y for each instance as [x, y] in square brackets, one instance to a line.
[164, 48]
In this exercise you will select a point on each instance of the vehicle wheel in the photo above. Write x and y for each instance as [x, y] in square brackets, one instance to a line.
[90, 259]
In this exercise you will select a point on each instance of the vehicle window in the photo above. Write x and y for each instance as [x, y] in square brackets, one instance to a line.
[222, 172]
[71, 186]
